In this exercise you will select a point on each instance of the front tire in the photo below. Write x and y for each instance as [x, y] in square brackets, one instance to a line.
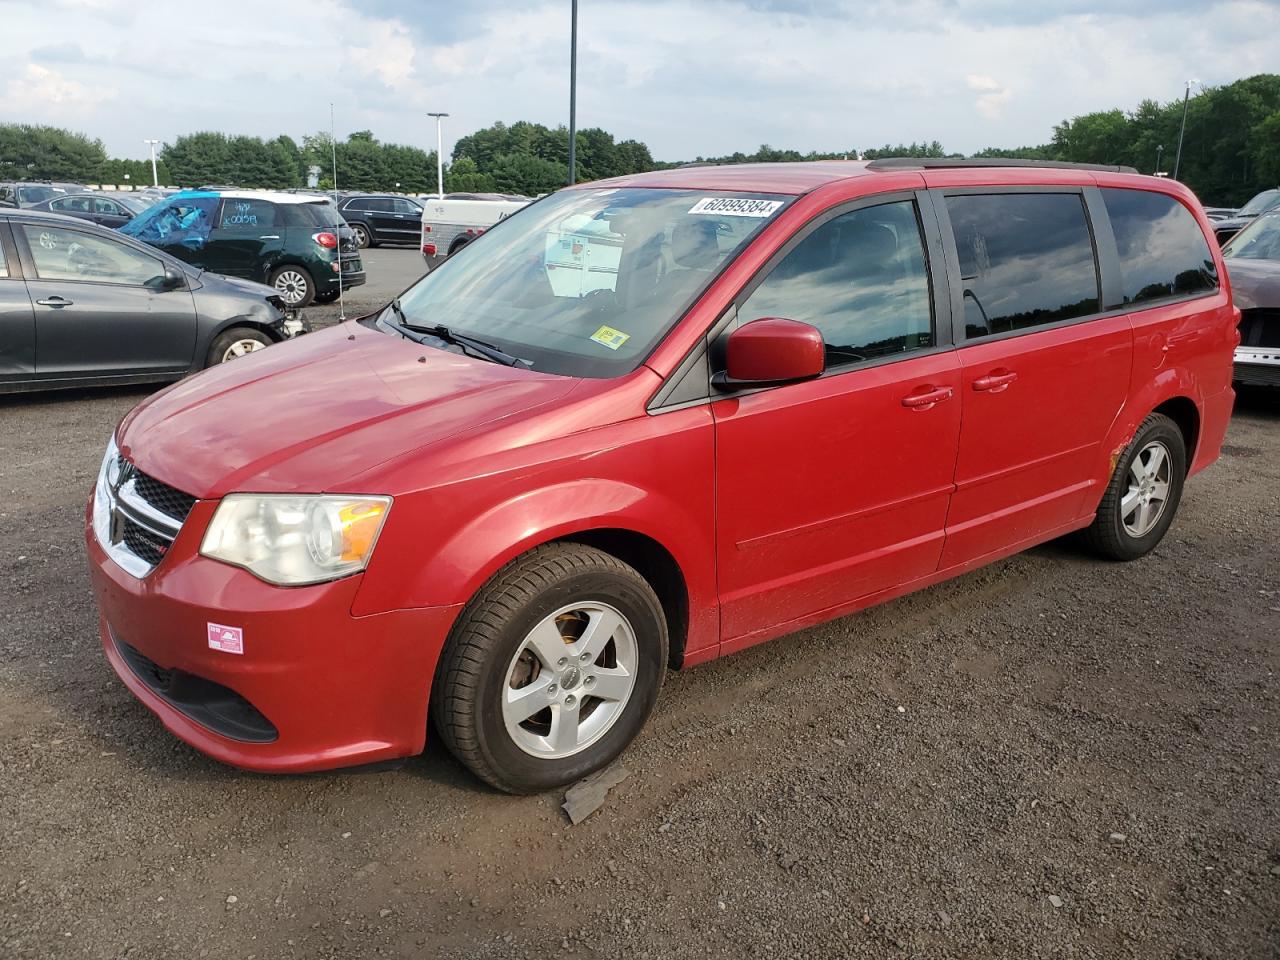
[236, 342]
[294, 284]
[551, 669]
[1142, 498]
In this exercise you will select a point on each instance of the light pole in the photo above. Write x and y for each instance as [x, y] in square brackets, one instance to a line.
[1159, 154]
[1186, 98]
[573, 92]
[439, 153]
[155, 177]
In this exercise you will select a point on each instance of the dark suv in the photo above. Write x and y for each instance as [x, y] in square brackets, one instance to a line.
[382, 219]
[28, 194]
[287, 240]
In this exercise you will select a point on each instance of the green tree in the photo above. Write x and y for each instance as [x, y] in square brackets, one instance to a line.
[30, 152]
[463, 176]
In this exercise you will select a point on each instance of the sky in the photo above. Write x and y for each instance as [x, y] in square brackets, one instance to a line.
[691, 78]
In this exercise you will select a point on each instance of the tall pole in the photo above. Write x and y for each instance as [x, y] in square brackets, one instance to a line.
[155, 177]
[337, 217]
[1159, 154]
[439, 154]
[1186, 97]
[573, 93]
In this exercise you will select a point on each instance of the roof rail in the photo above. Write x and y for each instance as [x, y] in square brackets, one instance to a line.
[935, 163]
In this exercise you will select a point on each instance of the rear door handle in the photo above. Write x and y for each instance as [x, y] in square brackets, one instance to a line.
[995, 382]
[56, 302]
[922, 401]
[270, 236]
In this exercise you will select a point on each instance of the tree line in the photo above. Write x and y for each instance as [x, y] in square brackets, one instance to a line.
[1231, 151]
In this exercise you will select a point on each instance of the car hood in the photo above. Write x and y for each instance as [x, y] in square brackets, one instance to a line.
[1254, 283]
[239, 285]
[305, 415]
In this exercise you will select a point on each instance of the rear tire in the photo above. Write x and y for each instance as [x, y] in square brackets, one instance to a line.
[236, 342]
[551, 670]
[1142, 498]
[364, 235]
[294, 284]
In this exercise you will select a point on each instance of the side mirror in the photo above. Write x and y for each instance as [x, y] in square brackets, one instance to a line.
[172, 280]
[772, 350]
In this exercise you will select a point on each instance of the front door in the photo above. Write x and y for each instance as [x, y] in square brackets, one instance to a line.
[836, 489]
[98, 307]
[17, 322]
[1042, 380]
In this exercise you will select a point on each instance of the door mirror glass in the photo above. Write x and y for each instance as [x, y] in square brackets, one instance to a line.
[772, 350]
[170, 280]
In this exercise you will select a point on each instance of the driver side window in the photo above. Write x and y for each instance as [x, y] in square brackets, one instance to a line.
[61, 254]
[861, 279]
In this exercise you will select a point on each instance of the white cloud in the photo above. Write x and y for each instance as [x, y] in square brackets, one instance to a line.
[688, 79]
[42, 90]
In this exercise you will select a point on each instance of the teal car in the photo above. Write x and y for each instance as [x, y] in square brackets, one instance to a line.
[296, 243]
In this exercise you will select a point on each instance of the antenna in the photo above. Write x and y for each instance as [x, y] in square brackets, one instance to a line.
[337, 217]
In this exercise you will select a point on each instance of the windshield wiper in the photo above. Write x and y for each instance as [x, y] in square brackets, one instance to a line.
[478, 348]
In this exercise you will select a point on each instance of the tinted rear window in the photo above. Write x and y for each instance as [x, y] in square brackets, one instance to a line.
[309, 214]
[1162, 251]
[1026, 259]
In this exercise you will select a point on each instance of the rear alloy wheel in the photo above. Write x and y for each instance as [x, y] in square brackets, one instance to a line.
[552, 669]
[234, 343]
[363, 237]
[294, 284]
[1140, 501]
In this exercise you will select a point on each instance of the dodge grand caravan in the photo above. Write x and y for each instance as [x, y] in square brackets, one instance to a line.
[742, 400]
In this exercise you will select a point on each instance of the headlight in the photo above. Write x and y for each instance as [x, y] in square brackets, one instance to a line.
[108, 475]
[290, 540]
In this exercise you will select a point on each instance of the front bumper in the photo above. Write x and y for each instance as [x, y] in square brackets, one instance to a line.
[320, 688]
[1257, 366]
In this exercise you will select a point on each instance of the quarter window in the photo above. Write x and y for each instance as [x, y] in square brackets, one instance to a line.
[61, 254]
[1026, 259]
[1163, 252]
[861, 279]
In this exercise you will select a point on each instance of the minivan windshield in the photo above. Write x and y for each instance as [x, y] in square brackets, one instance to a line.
[1260, 240]
[586, 282]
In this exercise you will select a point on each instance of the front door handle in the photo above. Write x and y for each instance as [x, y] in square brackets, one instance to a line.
[925, 400]
[995, 381]
[56, 302]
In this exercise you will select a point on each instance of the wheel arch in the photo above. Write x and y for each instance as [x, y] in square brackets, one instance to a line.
[1183, 411]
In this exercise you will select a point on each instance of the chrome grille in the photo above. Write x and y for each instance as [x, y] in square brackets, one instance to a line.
[142, 518]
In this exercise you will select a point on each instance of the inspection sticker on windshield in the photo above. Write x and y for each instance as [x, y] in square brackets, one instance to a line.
[610, 337]
[736, 207]
[226, 639]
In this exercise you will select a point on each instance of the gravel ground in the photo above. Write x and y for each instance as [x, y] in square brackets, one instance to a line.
[1051, 757]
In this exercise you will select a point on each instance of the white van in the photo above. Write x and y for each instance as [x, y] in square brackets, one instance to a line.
[452, 223]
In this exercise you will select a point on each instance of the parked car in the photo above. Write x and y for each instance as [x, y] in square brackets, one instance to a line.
[81, 305]
[94, 207]
[288, 241]
[378, 218]
[1228, 227]
[27, 193]
[450, 224]
[807, 388]
[1253, 260]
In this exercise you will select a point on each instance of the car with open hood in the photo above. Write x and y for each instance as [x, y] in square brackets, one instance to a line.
[647, 422]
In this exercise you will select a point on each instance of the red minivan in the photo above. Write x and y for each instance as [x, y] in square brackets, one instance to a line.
[643, 423]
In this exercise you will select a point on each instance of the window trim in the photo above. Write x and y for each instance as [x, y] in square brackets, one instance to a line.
[1102, 217]
[709, 352]
[32, 273]
[13, 261]
[953, 258]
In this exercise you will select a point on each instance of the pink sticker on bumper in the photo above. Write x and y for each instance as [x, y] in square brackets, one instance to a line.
[226, 639]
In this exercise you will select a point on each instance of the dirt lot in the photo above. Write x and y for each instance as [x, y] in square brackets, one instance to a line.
[1052, 757]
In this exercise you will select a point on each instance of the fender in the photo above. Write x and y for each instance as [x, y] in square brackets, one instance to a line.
[463, 560]
[1163, 386]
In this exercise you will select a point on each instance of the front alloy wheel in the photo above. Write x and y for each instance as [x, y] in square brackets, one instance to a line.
[551, 669]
